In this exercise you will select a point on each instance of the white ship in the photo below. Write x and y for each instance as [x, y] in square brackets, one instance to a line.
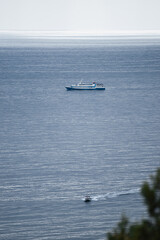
[86, 86]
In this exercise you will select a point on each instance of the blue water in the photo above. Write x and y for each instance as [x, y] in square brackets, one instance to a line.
[57, 145]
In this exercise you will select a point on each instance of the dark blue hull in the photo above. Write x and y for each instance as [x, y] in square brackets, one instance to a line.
[70, 88]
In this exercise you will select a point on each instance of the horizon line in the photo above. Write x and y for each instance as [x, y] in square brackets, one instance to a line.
[53, 33]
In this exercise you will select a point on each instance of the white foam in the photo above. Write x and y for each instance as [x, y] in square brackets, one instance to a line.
[114, 194]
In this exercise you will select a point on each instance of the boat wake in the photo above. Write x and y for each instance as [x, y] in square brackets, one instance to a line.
[115, 194]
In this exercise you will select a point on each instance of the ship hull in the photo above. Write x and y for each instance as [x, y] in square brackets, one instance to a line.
[74, 88]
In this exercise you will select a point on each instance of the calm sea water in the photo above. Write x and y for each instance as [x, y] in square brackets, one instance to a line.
[57, 145]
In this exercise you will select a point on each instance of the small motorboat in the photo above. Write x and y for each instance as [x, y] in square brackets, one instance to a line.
[87, 199]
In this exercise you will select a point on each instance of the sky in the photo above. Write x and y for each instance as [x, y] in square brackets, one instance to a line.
[98, 16]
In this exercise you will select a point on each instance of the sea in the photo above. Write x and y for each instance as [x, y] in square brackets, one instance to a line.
[57, 146]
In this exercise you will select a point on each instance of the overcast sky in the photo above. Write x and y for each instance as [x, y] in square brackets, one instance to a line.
[80, 15]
